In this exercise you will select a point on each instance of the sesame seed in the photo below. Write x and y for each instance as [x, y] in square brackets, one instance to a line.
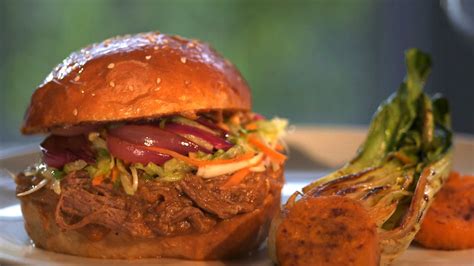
[183, 60]
[112, 84]
[82, 91]
[165, 41]
[156, 48]
[130, 87]
[77, 78]
[111, 65]
[74, 112]
[157, 88]
[148, 57]
[191, 44]
[93, 94]
[158, 81]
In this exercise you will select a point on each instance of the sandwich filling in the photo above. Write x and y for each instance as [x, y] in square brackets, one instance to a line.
[171, 176]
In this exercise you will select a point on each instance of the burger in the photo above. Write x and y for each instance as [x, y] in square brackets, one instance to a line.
[151, 150]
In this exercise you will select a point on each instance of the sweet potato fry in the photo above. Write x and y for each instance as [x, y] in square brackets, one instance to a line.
[330, 230]
[449, 223]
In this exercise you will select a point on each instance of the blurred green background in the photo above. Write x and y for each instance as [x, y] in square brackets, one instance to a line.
[314, 62]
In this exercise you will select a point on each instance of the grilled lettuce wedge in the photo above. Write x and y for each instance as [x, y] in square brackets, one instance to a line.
[404, 161]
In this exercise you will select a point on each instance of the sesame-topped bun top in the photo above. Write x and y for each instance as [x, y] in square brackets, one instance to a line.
[142, 76]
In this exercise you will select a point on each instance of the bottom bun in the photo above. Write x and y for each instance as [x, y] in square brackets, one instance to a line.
[229, 238]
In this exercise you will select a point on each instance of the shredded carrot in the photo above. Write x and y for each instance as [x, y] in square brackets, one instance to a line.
[114, 175]
[279, 147]
[97, 180]
[175, 155]
[244, 157]
[235, 119]
[239, 175]
[236, 178]
[278, 157]
[223, 126]
[196, 162]
[251, 126]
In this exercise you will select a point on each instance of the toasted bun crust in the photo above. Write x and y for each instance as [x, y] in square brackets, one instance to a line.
[135, 77]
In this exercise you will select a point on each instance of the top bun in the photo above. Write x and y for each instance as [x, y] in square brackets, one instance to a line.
[139, 76]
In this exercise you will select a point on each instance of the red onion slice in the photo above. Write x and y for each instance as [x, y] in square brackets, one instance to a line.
[130, 152]
[74, 130]
[59, 150]
[215, 141]
[209, 124]
[258, 117]
[58, 160]
[154, 136]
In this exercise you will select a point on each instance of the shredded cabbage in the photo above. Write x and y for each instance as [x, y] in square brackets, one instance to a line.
[172, 170]
[97, 141]
[134, 179]
[272, 130]
[74, 166]
[189, 122]
[126, 183]
[56, 186]
[209, 171]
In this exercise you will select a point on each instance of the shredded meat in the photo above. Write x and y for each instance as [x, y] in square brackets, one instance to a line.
[225, 203]
[86, 204]
[156, 209]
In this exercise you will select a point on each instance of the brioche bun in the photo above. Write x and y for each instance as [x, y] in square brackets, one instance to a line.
[139, 76]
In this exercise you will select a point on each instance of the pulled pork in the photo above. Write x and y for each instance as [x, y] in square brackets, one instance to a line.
[156, 209]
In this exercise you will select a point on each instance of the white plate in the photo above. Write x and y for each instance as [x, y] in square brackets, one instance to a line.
[313, 152]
